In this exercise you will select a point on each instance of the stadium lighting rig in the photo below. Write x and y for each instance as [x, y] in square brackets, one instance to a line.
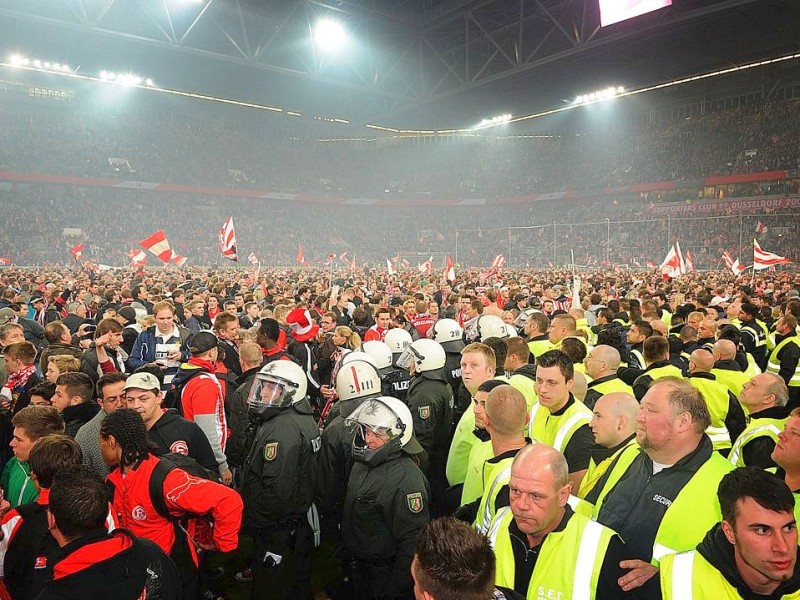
[600, 95]
[329, 35]
[493, 121]
[17, 60]
[127, 79]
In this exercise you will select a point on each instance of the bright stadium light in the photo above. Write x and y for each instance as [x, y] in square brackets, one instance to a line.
[599, 95]
[498, 120]
[127, 79]
[17, 60]
[329, 35]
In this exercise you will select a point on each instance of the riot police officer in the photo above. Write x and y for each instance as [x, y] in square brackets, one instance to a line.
[398, 379]
[386, 503]
[278, 481]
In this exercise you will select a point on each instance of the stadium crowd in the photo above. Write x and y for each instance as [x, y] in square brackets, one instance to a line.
[501, 435]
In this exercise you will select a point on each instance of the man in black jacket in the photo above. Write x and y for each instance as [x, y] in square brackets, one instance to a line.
[73, 399]
[165, 428]
[93, 563]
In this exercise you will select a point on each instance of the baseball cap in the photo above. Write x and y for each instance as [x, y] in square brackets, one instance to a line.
[201, 342]
[128, 313]
[6, 315]
[142, 381]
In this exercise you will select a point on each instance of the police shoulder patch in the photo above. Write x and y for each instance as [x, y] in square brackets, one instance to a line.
[414, 502]
[271, 451]
[424, 412]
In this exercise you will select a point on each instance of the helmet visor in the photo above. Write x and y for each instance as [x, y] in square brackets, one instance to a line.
[376, 417]
[271, 392]
[408, 357]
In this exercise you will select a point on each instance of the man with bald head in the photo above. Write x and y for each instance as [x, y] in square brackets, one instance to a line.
[602, 363]
[613, 425]
[659, 327]
[505, 417]
[561, 326]
[538, 539]
[765, 398]
[706, 333]
[727, 417]
[727, 369]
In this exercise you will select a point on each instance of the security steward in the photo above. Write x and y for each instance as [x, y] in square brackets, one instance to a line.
[601, 364]
[387, 501]
[752, 553]
[785, 358]
[278, 482]
[656, 356]
[430, 400]
[544, 548]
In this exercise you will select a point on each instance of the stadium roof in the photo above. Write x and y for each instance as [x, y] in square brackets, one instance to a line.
[410, 63]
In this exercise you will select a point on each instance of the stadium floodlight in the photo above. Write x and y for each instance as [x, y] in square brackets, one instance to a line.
[17, 60]
[498, 120]
[600, 95]
[127, 79]
[329, 35]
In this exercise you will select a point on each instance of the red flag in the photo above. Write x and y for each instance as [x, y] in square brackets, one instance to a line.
[498, 261]
[761, 228]
[343, 257]
[138, 257]
[763, 259]
[4, 262]
[179, 260]
[300, 257]
[390, 267]
[159, 245]
[673, 264]
[227, 240]
[449, 269]
[689, 262]
[77, 251]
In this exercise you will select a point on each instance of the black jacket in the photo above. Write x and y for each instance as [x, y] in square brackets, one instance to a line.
[430, 400]
[231, 359]
[280, 468]
[173, 433]
[77, 416]
[631, 507]
[122, 567]
[31, 552]
[385, 508]
[238, 417]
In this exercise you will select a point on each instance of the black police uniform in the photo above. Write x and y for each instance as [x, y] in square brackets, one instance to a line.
[278, 490]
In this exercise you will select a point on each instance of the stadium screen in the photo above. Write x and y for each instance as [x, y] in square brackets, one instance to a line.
[614, 11]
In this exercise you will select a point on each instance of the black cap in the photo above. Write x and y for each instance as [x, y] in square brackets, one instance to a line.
[128, 313]
[202, 342]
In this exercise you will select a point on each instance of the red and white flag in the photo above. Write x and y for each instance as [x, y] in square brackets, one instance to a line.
[227, 240]
[689, 262]
[761, 228]
[300, 256]
[4, 262]
[764, 260]
[343, 257]
[498, 261]
[673, 265]
[77, 251]
[731, 264]
[159, 245]
[426, 267]
[449, 269]
[353, 264]
[404, 264]
[179, 260]
[390, 267]
[252, 259]
[138, 257]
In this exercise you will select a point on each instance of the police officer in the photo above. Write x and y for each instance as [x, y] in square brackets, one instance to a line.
[382, 354]
[398, 379]
[450, 336]
[356, 381]
[278, 482]
[430, 400]
[386, 504]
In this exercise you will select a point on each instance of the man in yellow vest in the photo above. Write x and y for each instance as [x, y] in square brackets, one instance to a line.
[521, 374]
[614, 428]
[602, 363]
[536, 334]
[561, 326]
[727, 371]
[477, 365]
[663, 500]
[751, 554]
[754, 338]
[637, 334]
[544, 548]
[505, 418]
[764, 398]
[558, 419]
[656, 356]
[784, 360]
[727, 416]
[787, 456]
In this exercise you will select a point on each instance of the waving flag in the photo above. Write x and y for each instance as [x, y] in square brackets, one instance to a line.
[77, 251]
[673, 265]
[689, 262]
[179, 260]
[449, 269]
[159, 245]
[227, 240]
[498, 261]
[4, 262]
[761, 228]
[427, 266]
[731, 264]
[253, 259]
[390, 267]
[764, 260]
[354, 265]
[343, 257]
[138, 257]
[300, 256]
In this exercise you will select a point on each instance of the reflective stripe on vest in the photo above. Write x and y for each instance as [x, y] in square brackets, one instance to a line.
[587, 555]
[760, 341]
[774, 366]
[639, 357]
[682, 568]
[746, 436]
[486, 513]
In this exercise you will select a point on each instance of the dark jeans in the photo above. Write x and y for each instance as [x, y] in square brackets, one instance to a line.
[291, 578]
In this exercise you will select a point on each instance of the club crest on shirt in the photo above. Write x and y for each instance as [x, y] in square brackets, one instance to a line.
[138, 513]
[414, 502]
[271, 451]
